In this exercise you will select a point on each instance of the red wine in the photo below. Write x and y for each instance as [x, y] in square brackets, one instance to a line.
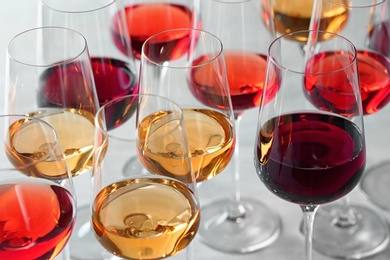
[36, 220]
[334, 92]
[310, 158]
[58, 85]
[113, 78]
[145, 20]
[379, 38]
[246, 73]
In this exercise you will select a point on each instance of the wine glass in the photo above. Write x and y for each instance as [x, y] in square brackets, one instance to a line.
[311, 154]
[103, 24]
[197, 82]
[51, 78]
[148, 17]
[291, 16]
[145, 215]
[237, 224]
[342, 229]
[375, 181]
[38, 202]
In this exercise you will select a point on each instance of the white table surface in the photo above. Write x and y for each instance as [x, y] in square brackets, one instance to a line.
[19, 15]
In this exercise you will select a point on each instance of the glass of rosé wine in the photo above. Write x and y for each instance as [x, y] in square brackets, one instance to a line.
[376, 180]
[345, 229]
[38, 200]
[51, 78]
[305, 154]
[150, 214]
[239, 223]
[145, 18]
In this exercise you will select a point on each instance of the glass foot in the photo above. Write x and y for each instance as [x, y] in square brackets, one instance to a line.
[375, 183]
[368, 235]
[83, 244]
[258, 228]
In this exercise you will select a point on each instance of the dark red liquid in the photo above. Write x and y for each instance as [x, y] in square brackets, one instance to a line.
[310, 158]
[379, 38]
[334, 92]
[113, 78]
[36, 220]
[145, 20]
[246, 73]
[64, 86]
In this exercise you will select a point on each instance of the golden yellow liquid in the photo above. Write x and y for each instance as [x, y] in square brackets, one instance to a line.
[210, 140]
[75, 131]
[145, 218]
[291, 16]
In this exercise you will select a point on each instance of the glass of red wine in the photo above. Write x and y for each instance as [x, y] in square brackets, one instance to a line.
[145, 18]
[49, 76]
[239, 224]
[38, 200]
[345, 229]
[150, 214]
[103, 24]
[376, 180]
[305, 154]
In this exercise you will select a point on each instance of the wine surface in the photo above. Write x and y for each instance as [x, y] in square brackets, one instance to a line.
[293, 16]
[334, 91]
[145, 20]
[75, 131]
[210, 140]
[36, 220]
[146, 218]
[310, 158]
[113, 78]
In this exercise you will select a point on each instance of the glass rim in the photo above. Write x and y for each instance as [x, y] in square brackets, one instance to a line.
[200, 31]
[99, 126]
[348, 4]
[78, 11]
[41, 122]
[68, 61]
[302, 72]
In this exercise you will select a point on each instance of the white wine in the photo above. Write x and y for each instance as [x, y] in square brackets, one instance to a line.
[210, 139]
[75, 131]
[145, 218]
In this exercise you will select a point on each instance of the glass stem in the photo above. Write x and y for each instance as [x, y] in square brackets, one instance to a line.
[309, 212]
[236, 210]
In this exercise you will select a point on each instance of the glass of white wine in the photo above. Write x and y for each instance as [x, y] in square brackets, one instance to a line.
[197, 82]
[147, 214]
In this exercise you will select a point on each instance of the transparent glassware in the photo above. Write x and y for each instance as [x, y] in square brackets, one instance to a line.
[191, 72]
[38, 199]
[51, 78]
[133, 217]
[346, 229]
[297, 148]
[103, 24]
[145, 18]
[240, 224]
[375, 181]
